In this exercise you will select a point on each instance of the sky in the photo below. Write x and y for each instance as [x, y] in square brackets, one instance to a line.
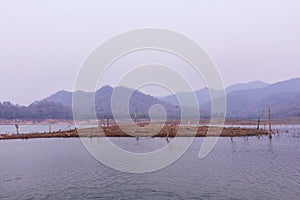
[44, 43]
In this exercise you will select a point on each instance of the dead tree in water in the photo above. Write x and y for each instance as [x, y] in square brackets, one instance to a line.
[17, 128]
[107, 122]
[270, 128]
[167, 138]
[258, 122]
[259, 118]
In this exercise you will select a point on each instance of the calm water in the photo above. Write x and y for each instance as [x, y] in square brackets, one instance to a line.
[56, 127]
[253, 168]
[34, 128]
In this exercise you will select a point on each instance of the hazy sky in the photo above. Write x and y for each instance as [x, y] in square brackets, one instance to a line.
[43, 43]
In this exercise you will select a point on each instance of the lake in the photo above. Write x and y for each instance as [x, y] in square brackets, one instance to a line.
[245, 168]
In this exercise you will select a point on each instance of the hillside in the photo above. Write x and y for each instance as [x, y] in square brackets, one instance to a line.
[63, 97]
[282, 97]
[37, 111]
[139, 102]
[203, 95]
[242, 102]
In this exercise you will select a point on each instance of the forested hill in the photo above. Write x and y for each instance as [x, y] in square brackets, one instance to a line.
[244, 101]
[59, 105]
[37, 111]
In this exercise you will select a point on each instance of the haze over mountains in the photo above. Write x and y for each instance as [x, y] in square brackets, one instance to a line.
[139, 102]
[251, 99]
[247, 101]
[203, 95]
[281, 97]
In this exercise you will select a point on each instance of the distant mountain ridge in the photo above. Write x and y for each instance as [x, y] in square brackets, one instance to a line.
[281, 97]
[39, 110]
[243, 101]
[203, 95]
[246, 86]
[139, 102]
[63, 97]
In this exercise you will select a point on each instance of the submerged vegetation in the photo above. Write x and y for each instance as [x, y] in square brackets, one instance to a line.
[144, 131]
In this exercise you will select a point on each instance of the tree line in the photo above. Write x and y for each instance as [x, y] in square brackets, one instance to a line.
[37, 111]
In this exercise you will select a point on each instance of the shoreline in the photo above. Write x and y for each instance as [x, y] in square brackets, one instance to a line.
[286, 121]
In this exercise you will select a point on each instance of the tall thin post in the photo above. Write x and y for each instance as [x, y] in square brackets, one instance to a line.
[49, 128]
[17, 128]
[167, 138]
[259, 119]
[258, 122]
[135, 118]
[270, 128]
[107, 122]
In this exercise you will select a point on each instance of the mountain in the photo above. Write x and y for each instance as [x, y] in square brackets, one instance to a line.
[292, 85]
[36, 111]
[63, 97]
[246, 86]
[243, 101]
[282, 105]
[282, 97]
[59, 105]
[203, 95]
[138, 103]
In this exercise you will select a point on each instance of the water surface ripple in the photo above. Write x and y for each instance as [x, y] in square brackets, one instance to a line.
[245, 168]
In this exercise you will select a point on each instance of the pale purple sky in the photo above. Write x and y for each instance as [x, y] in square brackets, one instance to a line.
[43, 43]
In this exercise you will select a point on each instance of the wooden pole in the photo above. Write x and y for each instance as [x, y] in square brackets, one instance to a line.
[258, 122]
[270, 127]
[17, 128]
[167, 138]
